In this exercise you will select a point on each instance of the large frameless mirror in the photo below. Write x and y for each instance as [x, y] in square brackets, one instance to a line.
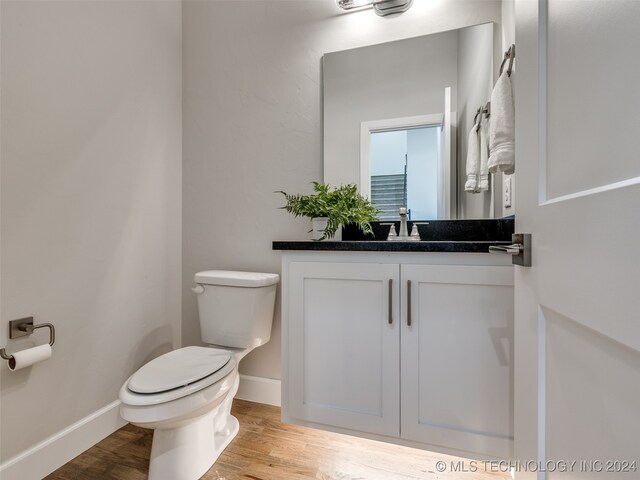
[396, 116]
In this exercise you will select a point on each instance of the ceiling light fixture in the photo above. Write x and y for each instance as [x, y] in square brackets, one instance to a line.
[381, 7]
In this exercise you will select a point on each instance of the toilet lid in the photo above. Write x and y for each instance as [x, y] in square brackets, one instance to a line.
[177, 369]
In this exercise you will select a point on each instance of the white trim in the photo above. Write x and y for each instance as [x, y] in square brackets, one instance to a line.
[444, 165]
[259, 390]
[56, 450]
[593, 191]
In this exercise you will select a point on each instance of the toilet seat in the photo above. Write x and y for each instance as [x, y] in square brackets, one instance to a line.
[177, 374]
[178, 368]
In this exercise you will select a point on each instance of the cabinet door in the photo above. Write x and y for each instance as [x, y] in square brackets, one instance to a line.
[457, 357]
[344, 345]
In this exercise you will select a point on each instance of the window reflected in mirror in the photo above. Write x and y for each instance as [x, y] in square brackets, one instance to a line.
[405, 171]
[405, 163]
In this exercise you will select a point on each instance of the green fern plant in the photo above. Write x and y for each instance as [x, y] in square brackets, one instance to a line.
[342, 205]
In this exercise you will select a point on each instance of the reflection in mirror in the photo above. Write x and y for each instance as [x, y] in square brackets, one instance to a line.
[405, 165]
[394, 154]
[396, 119]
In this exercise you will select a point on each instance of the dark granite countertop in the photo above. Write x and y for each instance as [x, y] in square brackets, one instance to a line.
[464, 236]
[384, 246]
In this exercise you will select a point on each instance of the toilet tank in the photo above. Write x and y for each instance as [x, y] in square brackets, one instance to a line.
[236, 308]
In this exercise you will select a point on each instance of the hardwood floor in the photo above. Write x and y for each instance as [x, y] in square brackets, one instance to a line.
[266, 449]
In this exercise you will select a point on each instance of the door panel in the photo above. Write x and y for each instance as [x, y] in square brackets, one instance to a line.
[575, 358]
[344, 353]
[457, 358]
[577, 329]
[591, 92]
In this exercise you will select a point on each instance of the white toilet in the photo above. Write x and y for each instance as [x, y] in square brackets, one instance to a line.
[186, 395]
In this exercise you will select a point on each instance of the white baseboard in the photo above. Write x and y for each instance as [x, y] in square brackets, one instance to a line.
[259, 390]
[53, 452]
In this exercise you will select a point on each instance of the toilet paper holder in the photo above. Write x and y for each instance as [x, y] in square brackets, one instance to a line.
[23, 327]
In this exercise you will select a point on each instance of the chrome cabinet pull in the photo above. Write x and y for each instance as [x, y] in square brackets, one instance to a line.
[390, 301]
[408, 303]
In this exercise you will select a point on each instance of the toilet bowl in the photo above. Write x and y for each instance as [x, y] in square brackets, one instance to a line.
[185, 396]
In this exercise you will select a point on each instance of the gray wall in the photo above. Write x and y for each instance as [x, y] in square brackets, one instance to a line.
[475, 83]
[91, 201]
[391, 80]
[252, 124]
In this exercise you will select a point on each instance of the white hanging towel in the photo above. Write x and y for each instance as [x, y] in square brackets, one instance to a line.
[483, 133]
[473, 161]
[502, 128]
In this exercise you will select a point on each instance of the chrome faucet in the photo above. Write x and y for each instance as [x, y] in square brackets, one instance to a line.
[404, 230]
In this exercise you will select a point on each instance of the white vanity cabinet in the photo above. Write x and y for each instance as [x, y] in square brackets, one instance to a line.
[456, 362]
[344, 352]
[407, 348]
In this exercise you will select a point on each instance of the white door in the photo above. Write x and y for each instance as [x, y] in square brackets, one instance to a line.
[344, 345]
[577, 316]
[456, 343]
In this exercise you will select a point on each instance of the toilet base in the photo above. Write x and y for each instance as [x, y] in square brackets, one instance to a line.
[187, 452]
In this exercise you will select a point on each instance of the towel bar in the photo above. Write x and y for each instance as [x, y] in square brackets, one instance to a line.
[484, 110]
[509, 55]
